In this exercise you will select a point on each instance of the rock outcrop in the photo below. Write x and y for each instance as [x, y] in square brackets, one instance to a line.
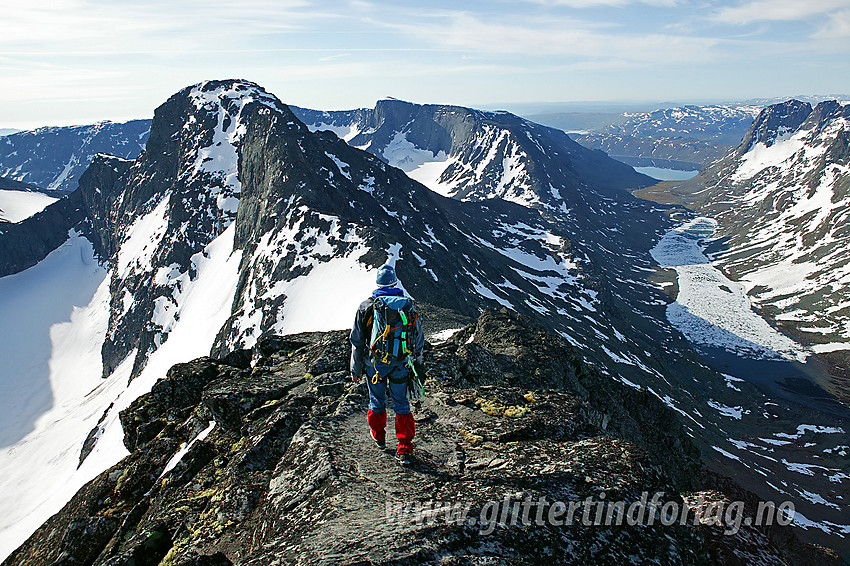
[277, 466]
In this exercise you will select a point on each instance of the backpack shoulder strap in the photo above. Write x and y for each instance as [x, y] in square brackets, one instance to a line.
[368, 319]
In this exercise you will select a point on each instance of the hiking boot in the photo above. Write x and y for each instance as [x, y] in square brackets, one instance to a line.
[404, 459]
[381, 444]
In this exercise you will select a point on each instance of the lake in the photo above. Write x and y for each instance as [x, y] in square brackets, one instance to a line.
[667, 174]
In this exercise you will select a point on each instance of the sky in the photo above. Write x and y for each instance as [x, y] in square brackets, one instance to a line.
[66, 62]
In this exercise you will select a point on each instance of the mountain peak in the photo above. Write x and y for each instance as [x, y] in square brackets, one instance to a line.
[774, 122]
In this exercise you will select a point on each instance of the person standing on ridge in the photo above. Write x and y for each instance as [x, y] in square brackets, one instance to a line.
[386, 346]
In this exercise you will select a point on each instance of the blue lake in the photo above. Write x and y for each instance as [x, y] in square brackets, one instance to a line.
[667, 174]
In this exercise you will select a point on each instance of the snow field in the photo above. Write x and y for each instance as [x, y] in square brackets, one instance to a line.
[20, 205]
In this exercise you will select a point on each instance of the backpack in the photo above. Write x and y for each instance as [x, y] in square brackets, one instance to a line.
[392, 329]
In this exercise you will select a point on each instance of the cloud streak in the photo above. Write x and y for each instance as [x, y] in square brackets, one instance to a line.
[538, 37]
[605, 3]
[838, 26]
[777, 10]
[133, 26]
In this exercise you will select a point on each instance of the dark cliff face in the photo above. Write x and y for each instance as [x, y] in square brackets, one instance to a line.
[287, 472]
[180, 194]
[100, 189]
[774, 121]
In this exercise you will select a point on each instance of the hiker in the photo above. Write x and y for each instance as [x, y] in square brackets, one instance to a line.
[386, 340]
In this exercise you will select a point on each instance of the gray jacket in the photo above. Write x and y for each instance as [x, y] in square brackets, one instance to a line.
[361, 333]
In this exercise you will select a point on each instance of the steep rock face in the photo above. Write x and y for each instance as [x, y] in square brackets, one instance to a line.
[151, 216]
[56, 158]
[774, 122]
[278, 466]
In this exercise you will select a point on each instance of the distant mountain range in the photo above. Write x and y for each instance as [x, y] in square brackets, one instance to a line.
[671, 137]
[54, 158]
[686, 137]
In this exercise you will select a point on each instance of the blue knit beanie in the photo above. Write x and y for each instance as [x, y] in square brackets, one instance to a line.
[386, 276]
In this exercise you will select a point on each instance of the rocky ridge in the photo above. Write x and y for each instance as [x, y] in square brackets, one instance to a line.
[474, 155]
[277, 468]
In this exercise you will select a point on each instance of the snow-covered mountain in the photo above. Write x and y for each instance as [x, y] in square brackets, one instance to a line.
[474, 155]
[236, 220]
[55, 157]
[239, 220]
[781, 202]
[580, 195]
[720, 124]
[684, 137]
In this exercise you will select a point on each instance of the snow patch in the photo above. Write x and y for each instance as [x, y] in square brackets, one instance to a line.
[53, 319]
[420, 164]
[184, 449]
[20, 205]
[443, 335]
[142, 239]
[40, 488]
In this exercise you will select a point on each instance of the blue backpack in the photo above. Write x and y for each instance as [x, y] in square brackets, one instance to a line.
[392, 329]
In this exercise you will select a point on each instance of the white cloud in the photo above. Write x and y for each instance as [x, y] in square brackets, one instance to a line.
[595, 3]
[837, 27]
[103, 27]
[48, 83]
[777, 10]
[462, 31]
